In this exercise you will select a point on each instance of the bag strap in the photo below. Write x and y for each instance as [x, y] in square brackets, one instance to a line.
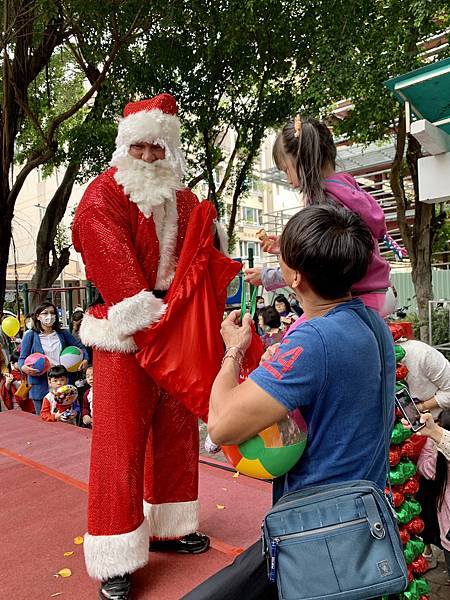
[377, 330]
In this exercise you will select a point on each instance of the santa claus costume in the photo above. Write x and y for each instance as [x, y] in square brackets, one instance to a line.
[129, 229]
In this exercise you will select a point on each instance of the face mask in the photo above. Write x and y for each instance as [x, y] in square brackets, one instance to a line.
[29, 324]
[47, 319]
[260, 305]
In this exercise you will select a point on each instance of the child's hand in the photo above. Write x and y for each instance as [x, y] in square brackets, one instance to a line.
[253, 275]
[87, 420]
[271, 244]
[58, 416]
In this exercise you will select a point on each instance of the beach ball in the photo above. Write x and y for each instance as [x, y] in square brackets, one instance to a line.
[271, 453]
[71, 358]
[66, 394]
[38, 361]
[10, 326]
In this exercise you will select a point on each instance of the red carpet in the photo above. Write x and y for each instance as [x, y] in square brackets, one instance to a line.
[43, 474]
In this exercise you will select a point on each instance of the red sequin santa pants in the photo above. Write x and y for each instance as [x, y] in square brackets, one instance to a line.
[144, 467]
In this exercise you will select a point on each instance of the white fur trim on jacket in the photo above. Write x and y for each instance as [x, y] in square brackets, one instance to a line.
[112, 555]
[173, 519]
[147, 126]
[132, 314]
[223, 237]
[135, 313]
[166, 224]
[101, 334]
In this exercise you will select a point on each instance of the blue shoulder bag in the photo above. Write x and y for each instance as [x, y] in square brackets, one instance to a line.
[337, 541]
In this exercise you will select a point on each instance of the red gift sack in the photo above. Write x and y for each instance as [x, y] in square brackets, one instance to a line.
[183, 351]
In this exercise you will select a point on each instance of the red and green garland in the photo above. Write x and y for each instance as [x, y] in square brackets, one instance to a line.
[403, 454]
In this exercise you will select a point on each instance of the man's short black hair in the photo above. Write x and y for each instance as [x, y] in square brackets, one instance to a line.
[58, 371]
[331, 246]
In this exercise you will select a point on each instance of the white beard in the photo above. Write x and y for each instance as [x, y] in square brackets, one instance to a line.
[148, 185]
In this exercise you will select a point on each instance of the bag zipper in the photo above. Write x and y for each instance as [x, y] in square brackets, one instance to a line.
[275, 542]
[289, 536]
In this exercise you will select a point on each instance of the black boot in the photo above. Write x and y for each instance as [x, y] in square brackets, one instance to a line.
[115, 588]
[193, 543]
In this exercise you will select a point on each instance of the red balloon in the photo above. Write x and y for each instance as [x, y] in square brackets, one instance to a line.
[401, 372]
[415, 526]
[395, 455]
[404, 536]
[420, 565]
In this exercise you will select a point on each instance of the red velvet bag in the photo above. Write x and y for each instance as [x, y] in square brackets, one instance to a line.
[182, 353]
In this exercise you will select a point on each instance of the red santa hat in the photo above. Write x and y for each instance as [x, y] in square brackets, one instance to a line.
[154, 120]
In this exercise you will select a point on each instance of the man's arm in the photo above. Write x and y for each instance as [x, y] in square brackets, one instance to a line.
[238, 412]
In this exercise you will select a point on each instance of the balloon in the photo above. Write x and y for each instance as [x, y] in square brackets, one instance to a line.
[271, 453]
[66, 394]
[71, 358]
[10, 326]
[39, 362]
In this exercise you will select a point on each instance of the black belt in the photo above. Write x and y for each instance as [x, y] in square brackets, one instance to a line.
[159, 293]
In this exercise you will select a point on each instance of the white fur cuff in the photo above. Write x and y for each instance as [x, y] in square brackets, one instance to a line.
[113, 555]
[135, 313]
[173, 519]
[102, 335]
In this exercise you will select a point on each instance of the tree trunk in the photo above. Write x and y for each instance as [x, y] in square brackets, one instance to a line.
[5, 240]
[47, 272]
[422, 241]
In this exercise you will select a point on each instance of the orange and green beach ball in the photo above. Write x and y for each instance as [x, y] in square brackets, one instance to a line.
[271, 453]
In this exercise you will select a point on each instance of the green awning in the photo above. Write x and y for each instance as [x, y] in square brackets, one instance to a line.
[428, 92]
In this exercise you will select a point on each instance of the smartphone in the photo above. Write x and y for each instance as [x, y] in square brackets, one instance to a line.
[409, 409]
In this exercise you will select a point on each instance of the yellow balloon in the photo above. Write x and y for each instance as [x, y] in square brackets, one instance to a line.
[10, 326]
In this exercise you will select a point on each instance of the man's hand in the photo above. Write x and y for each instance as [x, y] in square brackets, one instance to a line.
[234, 334]
[253, 275]
[83, 365]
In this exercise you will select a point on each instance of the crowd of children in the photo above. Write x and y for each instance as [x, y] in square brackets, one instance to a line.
[64, 402]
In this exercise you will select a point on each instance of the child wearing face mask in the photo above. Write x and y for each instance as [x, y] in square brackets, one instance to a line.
[46, 337]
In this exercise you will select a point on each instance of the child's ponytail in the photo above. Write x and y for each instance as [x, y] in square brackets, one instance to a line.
[308, 143]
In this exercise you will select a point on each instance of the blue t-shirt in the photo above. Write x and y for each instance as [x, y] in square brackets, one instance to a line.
[329, 368]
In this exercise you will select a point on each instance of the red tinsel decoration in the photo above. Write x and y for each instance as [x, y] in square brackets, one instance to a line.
[404, 536]
[401, 372]
[411, 487]
[395, 455]
[415, 526]
[420, 565]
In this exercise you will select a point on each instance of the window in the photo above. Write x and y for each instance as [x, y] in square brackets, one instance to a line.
[245, 246]
[252, 216]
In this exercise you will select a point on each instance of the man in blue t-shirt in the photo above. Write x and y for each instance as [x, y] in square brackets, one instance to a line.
[328, 366]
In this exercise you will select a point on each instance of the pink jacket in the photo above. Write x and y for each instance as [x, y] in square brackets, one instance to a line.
[427, 467]
[344, 188]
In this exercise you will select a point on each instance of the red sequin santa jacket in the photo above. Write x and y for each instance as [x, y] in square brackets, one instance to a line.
[127, 255]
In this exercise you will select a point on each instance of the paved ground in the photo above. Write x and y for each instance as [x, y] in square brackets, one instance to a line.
[438, 580]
